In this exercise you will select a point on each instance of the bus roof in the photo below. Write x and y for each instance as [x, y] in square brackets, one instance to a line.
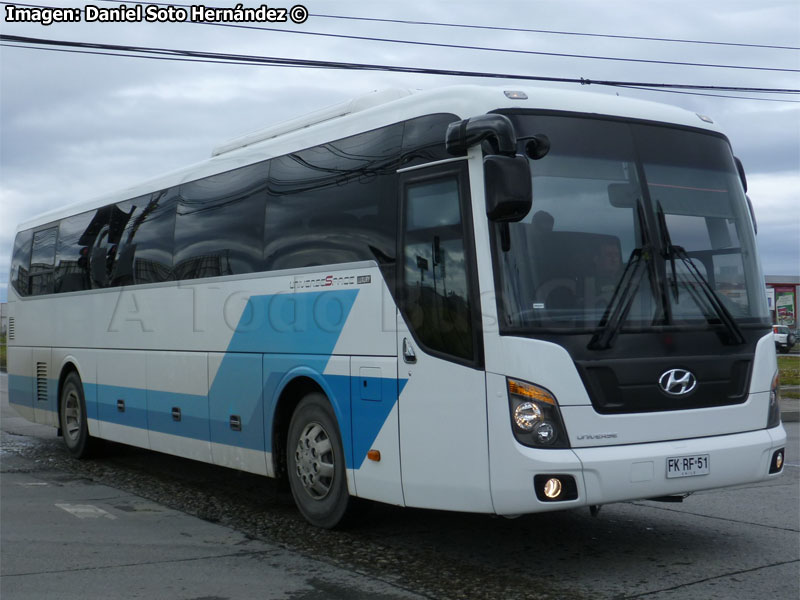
[381, 108]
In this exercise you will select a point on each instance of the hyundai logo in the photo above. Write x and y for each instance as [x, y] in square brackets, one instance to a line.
[677, 382]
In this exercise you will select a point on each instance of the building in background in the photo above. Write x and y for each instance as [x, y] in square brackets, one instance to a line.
[782, 293]
[3, 317]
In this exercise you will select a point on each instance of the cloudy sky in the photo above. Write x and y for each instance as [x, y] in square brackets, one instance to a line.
[74, 126]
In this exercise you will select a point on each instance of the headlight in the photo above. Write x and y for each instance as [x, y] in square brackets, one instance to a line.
[535, 418]
[527, 415]
[774, 418]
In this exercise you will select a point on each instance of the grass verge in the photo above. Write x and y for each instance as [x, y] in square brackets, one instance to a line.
[789, 367]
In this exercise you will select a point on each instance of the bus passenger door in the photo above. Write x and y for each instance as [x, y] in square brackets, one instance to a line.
[442, 404]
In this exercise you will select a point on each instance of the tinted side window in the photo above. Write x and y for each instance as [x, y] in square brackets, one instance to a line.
[42, 258]
[423, 139]
[219, 227]
[334, 203]
[21, 263]
[436, 279]
[76, 239]
[144, 253]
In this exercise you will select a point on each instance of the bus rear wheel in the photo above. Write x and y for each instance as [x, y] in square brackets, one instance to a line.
[316, 465]
[72, 418]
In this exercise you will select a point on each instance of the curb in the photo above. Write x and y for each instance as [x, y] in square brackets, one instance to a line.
[790, 415]
[790, 406]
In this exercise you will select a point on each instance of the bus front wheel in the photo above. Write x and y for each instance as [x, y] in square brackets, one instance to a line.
[316, 465]
[72, 417]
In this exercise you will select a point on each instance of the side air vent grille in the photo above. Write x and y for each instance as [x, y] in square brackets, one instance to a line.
[41, 382]
[10, 328]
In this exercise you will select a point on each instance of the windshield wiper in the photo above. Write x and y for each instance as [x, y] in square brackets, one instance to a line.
[711, 296]
[622, 299]
[667, 249]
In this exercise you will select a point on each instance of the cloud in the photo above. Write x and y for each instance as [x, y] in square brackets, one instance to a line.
[76, 126]
[777, 211]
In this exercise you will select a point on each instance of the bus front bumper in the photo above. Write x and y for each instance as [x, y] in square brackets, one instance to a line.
[637, 471]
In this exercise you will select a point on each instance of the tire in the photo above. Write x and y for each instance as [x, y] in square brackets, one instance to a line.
[72, 418]
[316, 464]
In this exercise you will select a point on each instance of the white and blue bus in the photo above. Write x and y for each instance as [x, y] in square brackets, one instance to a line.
[470, 299]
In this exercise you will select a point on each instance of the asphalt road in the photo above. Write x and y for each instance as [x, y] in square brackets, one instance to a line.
[190, 530]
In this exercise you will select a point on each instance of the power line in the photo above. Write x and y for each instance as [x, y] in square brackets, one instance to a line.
[167, 58]
[550, 31]
[184, 55]
[509, 29]
[465, 46]
[636, 87]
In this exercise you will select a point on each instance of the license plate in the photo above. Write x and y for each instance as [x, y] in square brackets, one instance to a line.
[687, 466]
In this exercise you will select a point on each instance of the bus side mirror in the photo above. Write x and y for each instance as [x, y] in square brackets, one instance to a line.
[508, 186]
[742, 176]
[752, 214]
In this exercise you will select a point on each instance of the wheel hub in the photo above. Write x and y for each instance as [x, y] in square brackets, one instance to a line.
[314, 461]
[72, 416]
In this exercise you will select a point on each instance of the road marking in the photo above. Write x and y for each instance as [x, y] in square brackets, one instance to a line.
[32, 483]
[85, 511]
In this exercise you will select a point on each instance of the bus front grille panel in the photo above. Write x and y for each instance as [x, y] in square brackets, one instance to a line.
[11, 328]
[632, 385]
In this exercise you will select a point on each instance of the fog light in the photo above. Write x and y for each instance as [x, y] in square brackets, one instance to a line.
[526, 415]
[776, 464]
[552, 489]
[555, 487]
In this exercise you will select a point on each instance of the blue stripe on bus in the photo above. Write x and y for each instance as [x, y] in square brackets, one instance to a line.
[135, 399]
[369, 417]
[152, 410]
[193, 421]
[292, 333]
[306, 324]
[237, 390]
[20, 390]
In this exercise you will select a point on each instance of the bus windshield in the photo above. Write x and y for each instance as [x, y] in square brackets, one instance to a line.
[611, 194]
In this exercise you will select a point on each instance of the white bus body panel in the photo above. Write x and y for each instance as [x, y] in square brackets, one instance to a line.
[184, 378]
[21, 378]
[121, 377]
[244, 399]
[216, 349]
[630, 472]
